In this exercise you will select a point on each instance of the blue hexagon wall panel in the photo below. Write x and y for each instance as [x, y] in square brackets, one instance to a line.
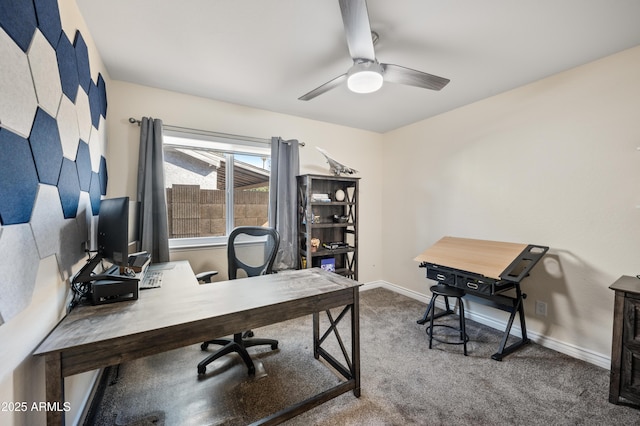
[69, 188]
[95, 104]
[51, 180]
[83, 163]
[18, 179]
[82, 59]
[94, 193]
[18, 18]
[48, 16]
[46, 147]
[68, 67]
[103, 176]
[103, 96]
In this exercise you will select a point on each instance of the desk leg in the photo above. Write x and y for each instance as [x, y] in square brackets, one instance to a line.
[316, 335]
[518, 308]
[355, 341]
[54, 387]
[615, 377]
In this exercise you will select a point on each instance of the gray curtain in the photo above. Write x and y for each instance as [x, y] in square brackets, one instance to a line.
[285, 166]
[152, 225]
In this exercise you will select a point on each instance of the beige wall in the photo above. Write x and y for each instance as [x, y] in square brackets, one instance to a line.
[21, 374]
[357, 148]
[554, 163]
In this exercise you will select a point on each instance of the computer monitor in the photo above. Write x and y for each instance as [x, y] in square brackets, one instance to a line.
[112, 238]
[113, 230]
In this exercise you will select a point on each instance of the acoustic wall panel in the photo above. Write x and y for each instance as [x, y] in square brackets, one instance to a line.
[83, 164]
[82, 59]
[69, 188]
[97, 146]
[47, 216]
[18, 18]
[72, 251]
[95, 104]
[46, 148]
[18, 179]
[44, 70]
[48, 16]
[68, 127]
[103, 176]
[85, 220]
[84, 115]
[18, 269]
[1, 319]
[45, 122]
[68, 67]
[102, 89]
[95, 192]
[17, 96]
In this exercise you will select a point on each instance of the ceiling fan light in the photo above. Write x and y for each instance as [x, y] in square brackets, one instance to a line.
[364, 81]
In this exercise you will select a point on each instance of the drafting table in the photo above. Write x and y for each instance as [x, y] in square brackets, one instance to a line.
[486, 269]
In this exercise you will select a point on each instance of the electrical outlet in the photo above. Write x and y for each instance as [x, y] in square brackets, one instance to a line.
[541, 308]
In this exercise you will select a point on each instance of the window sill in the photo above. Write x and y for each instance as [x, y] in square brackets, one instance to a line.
[193, 243]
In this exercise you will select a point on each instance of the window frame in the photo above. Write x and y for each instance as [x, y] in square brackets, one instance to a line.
[220, 143]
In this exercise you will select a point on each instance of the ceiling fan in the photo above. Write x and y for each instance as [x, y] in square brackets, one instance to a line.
[367, 74]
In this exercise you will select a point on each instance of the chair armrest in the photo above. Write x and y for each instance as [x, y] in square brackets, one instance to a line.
[206, 276]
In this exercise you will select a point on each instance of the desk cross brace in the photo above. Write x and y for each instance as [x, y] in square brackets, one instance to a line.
[350, 373]
[319, 351]
[516, 306]
[519, 308]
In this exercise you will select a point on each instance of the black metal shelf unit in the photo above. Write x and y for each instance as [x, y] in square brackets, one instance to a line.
[328, 215]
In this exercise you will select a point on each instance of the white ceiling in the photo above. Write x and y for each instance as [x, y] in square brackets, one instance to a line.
[267, 53]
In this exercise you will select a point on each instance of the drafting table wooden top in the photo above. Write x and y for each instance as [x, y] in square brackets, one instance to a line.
[488, 258]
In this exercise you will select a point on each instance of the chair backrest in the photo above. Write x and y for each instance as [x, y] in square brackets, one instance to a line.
[252, 249]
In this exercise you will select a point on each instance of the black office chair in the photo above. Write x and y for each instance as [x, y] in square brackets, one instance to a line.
[252, 249]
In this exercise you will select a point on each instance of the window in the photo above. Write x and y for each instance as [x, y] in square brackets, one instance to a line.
[214, 182]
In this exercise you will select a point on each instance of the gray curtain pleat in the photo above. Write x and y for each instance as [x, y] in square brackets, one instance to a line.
[153, 225]
[285, 166]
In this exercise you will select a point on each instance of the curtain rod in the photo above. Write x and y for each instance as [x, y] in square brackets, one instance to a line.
[224, 135]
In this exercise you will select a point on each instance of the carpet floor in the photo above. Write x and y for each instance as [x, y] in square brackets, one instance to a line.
[403, 381]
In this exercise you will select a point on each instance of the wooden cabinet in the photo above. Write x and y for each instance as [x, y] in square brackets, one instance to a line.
[625, 351]
[328, 215]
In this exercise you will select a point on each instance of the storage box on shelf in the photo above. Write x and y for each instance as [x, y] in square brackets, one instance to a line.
[328, 215]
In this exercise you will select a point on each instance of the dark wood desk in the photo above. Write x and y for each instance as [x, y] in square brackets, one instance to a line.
[182, 313]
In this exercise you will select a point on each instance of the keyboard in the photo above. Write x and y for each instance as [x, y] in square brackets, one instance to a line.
[152, 279]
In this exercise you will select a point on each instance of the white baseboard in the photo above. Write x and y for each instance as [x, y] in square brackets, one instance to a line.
[548, 342]
[88, 398]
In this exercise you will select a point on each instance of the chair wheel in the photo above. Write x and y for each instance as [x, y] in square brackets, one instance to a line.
[204, 346]
[274, 347]
[201, 370]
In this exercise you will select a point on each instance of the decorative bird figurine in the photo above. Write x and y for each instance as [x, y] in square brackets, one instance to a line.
[336, 167]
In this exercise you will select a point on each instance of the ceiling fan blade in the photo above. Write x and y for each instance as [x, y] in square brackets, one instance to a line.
[324, 88]
[357, 29]
[411, 77]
